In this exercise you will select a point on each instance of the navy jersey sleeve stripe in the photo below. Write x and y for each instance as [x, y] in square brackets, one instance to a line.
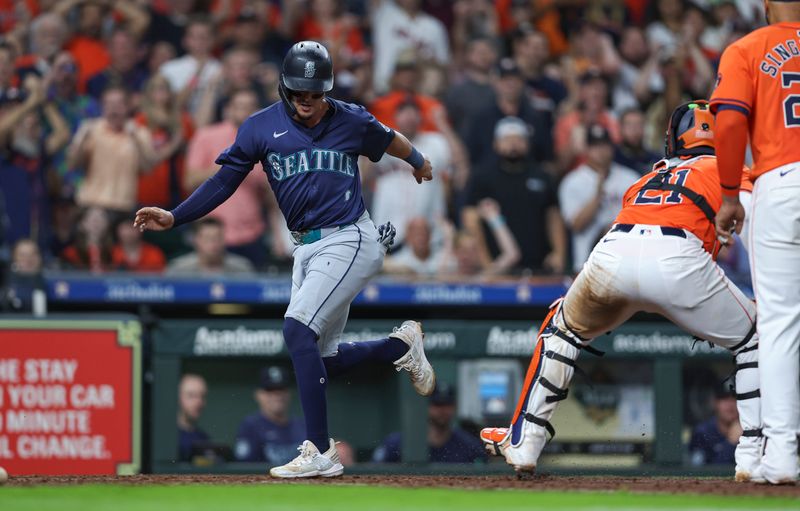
[736, 108]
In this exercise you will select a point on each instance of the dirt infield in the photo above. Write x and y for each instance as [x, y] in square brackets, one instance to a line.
[707, 486]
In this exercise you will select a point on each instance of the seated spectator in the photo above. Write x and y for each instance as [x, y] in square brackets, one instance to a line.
[714, 441]
[528, 198]
[123, 67]
[24, 278]
[171, 129]
[209, 256]
[446, 443]
[631, 151]
[270, 435]
[93, 246]
[591, 195]
[130, 253]
[418, 257]
[191, 403]
[113, 150]
[190, 74]
[397, 196]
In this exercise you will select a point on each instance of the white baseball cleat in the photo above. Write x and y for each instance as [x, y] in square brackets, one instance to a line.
[522, 457]
[414, 361]
[310, 463]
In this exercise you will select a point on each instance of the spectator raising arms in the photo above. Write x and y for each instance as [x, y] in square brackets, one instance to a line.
[170, 128]
[113, 150]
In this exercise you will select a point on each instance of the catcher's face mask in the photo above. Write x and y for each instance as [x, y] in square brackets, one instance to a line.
[690, 131]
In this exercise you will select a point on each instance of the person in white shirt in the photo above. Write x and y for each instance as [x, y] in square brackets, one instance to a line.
[398, 25]
[590, 196]
[190, 74]
[397, 197]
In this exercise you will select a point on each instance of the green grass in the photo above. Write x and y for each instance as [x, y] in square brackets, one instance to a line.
[297, 497]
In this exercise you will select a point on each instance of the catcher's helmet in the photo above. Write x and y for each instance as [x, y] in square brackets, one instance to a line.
[307, 67]
[690, 131]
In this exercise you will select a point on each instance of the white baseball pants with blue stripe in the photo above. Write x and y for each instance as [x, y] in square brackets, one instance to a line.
[328, 274]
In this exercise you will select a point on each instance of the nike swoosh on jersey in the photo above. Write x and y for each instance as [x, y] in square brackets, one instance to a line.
[275, 134]
[784, 172]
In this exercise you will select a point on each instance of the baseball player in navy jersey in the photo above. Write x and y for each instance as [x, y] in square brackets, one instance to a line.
[309, 145]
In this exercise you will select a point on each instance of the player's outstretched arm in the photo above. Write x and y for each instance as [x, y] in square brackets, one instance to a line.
[153, 219]
[402, 148]
[213, 192]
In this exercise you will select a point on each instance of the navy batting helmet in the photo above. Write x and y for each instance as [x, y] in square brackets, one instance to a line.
[307, 67]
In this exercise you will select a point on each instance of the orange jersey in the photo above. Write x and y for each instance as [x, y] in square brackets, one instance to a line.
[759, 75]
[671, 209]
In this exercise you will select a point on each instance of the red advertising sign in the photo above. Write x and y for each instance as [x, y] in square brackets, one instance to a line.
[69, 397]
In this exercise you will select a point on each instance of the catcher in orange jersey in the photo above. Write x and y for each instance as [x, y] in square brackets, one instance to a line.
[758, 95]
[658, 257]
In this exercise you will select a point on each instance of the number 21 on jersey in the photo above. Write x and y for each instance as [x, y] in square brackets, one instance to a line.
[677, 177]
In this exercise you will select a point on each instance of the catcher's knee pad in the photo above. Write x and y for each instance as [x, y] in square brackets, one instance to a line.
[748, 402]
[549, 373]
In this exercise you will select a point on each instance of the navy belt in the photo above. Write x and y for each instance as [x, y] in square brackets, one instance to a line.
[666, 231]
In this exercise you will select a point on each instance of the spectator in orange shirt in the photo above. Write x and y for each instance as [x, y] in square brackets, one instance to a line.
[130, 253]
[434, 116]
[93, 243]
[171, 129]
[87, 44]
[325, 21]
[404, 85]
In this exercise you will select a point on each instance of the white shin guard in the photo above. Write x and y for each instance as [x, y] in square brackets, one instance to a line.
[748, 401]
[553, 366]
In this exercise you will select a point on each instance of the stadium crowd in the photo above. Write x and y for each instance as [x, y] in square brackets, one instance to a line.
[536, 114]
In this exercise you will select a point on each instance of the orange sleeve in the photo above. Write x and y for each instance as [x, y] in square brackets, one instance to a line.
[730, 140]
[735, 86]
